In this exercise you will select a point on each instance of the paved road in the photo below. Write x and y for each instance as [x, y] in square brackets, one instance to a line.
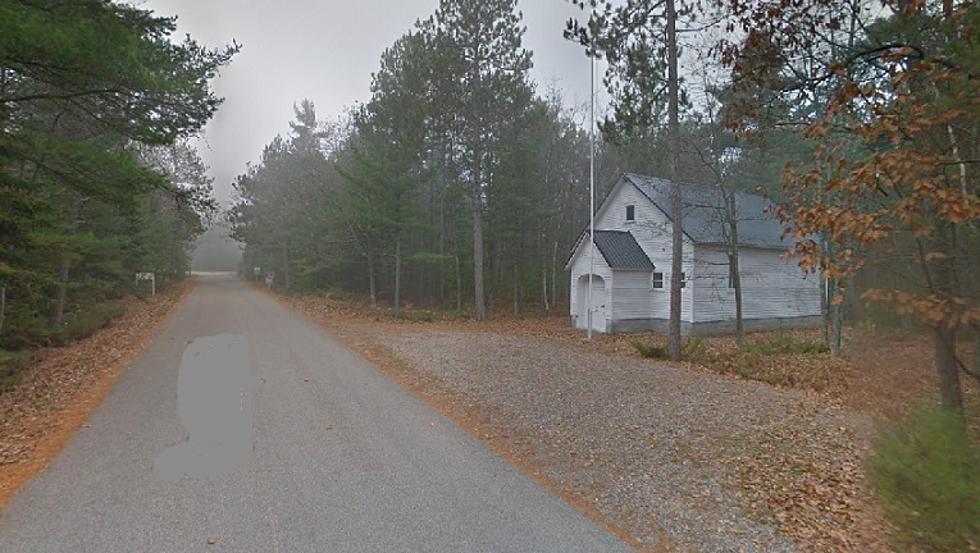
[341, 458]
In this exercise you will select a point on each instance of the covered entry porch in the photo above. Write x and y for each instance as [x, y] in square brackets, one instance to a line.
[598, 315]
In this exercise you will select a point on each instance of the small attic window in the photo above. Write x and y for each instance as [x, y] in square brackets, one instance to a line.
[630, 213]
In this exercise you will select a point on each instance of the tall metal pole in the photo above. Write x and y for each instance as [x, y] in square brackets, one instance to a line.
[591, 183]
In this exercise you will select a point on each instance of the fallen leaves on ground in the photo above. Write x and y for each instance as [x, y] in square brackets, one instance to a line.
[808, 480]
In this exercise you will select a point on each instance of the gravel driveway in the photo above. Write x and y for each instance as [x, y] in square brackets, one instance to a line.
[655, 449]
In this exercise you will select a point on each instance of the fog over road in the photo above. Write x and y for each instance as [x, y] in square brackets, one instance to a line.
[341, 458]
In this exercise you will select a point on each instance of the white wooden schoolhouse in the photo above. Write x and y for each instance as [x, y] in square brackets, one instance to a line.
[631, 277]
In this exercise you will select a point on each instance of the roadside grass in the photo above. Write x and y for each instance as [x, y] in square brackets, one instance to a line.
[781, 342]
[694, 348]
[650, 350]
[926, 471]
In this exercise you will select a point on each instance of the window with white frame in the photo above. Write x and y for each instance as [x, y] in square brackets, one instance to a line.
[630, 213]
[657, 280]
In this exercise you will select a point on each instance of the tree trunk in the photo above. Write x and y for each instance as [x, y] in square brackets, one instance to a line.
[852, 311]
[479, 302]
[459, 284]
[836, 323]
[976, 351]
[737, 285]
[733, 266]
[58, 306]
[3, 306]
[950, 391]
[517, 292]
[941, 275]
[673, 132]
[824, 312]
[554, 274]
[833, 320]
[287, 279]
[827, 301]
[442, 244]
[398, 275]
[544, 281]
[372, 283]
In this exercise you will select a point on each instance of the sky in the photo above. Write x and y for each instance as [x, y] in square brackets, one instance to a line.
[326, 50]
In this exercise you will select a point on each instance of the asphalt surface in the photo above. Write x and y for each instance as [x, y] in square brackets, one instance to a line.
[341, 458]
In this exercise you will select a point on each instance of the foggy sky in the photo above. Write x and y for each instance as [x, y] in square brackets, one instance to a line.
[326, 50]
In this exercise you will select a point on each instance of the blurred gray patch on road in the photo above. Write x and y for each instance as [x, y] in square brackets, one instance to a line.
[215, 404]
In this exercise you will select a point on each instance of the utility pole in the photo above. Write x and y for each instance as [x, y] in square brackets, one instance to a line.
[591, 185]
[676, 207]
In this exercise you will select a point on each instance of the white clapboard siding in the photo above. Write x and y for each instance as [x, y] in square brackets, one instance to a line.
[772, 286]
[632, 296]
[652, 229]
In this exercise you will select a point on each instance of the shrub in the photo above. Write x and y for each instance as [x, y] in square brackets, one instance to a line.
[422, 315]
[31, 331]
[455, 314]
[85, 321]
[648, 350]
[695, 348]
[927, 474]
[339, 294]
[781, 342]
[11, 364]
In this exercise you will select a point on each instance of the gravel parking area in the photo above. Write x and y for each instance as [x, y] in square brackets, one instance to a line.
[651, 447]
[672, 458]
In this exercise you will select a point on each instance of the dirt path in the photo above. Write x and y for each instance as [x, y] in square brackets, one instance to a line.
[62, 388]
[675, 458]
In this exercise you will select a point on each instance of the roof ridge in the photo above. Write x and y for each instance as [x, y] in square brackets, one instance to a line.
[690, 185]
[701, 205]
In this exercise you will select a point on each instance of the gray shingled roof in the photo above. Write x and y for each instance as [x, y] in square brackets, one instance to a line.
[621, 251]
[703, 213]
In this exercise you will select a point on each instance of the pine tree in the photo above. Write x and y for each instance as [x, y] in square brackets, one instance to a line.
[485, 81]
[81, 85]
